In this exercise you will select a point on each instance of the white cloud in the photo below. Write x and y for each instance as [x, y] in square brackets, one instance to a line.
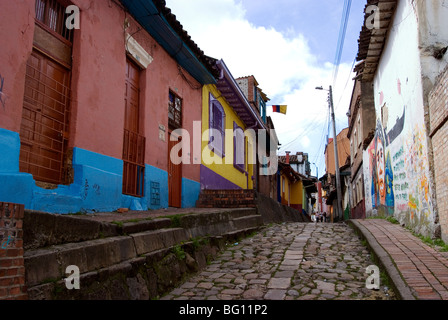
[284, 66]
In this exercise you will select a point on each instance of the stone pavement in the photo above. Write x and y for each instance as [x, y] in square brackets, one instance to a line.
[417, 270]
[295, 261]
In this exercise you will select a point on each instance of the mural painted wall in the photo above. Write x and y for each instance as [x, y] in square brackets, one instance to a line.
[396, 170]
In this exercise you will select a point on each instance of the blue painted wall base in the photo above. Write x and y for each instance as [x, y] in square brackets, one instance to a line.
[97, 185]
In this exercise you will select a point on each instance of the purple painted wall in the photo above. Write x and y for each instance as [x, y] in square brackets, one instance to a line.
[213, 181]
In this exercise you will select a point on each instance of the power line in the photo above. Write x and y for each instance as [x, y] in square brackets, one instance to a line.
[341, 39]
[304, 132]
[346, 84]
[322, 143]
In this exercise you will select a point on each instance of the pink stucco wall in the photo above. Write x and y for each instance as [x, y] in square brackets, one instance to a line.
[16, 34]
[161, 76]
[98, 81]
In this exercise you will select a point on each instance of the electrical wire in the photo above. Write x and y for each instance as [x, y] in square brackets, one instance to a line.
[341, 39]
[337, 61]
[304, 132]
[346, 84]
[319, 160]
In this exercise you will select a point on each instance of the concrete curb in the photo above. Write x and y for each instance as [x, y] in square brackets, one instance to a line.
[401, 288]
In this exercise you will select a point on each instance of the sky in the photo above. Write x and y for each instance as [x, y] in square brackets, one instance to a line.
[290, 47]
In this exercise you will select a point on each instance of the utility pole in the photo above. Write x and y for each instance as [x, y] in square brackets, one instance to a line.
[336, 157]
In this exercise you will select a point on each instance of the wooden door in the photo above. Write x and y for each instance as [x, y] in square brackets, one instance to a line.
[133, 142]
[174, 178]
[44, 127]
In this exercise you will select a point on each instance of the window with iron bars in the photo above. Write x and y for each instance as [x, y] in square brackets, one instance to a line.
[52, 14]
[174, 111]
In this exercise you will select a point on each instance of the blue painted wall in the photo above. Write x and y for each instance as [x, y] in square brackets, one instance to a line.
[190, 193]
[160, 176]
[15, 187]
[97, 185]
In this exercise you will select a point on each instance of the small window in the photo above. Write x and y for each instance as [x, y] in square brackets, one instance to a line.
[239, 148]
[263, 110]
[217, 127]
[52, 14]
[359, 132]
[175, 111]
[352, 154]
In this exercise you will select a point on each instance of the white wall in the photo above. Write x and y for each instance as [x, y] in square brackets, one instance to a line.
[405, 171]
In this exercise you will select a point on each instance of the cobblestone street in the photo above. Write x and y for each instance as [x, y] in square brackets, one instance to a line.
[293, 261]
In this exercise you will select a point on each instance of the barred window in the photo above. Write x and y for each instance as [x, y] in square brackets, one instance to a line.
[174, 111]
[52, 14]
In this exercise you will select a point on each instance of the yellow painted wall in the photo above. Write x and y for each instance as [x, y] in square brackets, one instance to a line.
[292, 193]
[285, 188]
[297, 193]
[224, 166]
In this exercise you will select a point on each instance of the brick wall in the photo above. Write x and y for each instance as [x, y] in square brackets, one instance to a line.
[438, 107]
[12, 269]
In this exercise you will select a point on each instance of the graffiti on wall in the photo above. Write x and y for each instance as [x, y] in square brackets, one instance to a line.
[7, 233]
[397, 177]
[2, 94]
[416, 164]
[401, 185]
[382, 179]
[398, 174]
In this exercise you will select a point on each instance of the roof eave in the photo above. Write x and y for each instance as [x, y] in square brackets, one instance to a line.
[372, 41]
[156, 24]
[244, 109]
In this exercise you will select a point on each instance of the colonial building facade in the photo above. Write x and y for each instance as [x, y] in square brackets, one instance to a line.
[402, 58]
[88, 114]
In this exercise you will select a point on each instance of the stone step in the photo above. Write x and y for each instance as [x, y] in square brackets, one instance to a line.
[227, 199]
[234, 205]
[42, 229]
[234, 192]
[242, 212]
[100, 253]
[247, 222]
[50, 263]
[200, 225]
[150, 241]
[144, 225]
